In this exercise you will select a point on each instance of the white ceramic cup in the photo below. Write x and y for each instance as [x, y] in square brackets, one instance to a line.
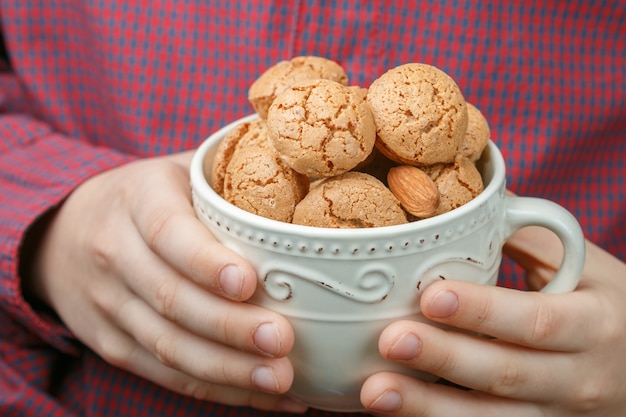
[340, 288]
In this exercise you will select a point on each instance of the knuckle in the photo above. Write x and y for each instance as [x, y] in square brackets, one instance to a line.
[114, 352]
[165, 349]
[107, 302]
[507, 380]
[197, 264]
[158, 224]
[217, 371]
[112, 357]
[543, 324]
[110, 299]
[611, 328]
[223, 327]
[224, 374]
[167, 299]
[589, 395]
[444, 365]
[103, 249]
[198, 390]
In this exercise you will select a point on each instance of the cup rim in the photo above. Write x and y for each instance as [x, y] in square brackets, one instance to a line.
[205, 192]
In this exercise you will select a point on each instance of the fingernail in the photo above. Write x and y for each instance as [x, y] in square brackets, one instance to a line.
[267, 339]
[405, 348]
[443, 305]
[231, 281]
[388, 401]
[264, 379]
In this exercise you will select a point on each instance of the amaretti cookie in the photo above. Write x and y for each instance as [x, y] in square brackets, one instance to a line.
[244, 133]
[321, 128]
[420, 114]
[284, 74]
[258, 181]
[323, 153]
[350, 200]
[477, 134]
[458, 183]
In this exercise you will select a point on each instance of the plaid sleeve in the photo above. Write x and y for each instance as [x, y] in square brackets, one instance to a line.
[39, 169]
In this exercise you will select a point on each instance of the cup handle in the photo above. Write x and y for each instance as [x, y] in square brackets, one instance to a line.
[531, 211]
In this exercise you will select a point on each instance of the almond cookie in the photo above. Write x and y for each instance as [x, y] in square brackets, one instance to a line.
[258, 181]
[477, 134]
[321, 128]
[458, 183]
[420, 114]
[351, 200]
[284, 74]
[248, 132]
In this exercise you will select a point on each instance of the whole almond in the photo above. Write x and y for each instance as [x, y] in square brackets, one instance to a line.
[417, 192]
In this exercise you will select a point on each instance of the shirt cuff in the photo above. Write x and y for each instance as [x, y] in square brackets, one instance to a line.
[38, 172]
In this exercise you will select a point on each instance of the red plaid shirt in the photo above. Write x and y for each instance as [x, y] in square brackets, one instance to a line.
[87, 85]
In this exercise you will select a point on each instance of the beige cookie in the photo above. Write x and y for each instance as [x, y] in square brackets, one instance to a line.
[351, 200]
[284, 74]
[420, 114]
[458, 183]
[321, 128]
[258, 181]
[477, 134]
[248, 132]
[359, 92]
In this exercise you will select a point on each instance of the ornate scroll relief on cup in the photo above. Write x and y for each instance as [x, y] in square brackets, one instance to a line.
[341, 287]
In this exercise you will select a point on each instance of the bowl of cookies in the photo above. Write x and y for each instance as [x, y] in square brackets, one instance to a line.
[350, 201]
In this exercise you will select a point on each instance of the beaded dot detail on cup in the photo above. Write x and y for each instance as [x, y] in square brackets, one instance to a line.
[403, 239]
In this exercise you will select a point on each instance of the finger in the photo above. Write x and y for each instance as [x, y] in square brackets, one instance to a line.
[538, 250]
[564, 322]
[168, 225]
[122, 351]
[482, 364]
[203, 359]
[150, 368]
[241, 325]
[400, 396]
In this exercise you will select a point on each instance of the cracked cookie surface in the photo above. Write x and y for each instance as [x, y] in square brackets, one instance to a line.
[350, 200]
[321, 128]
[244, 133]
[284, 74]
[458, 183]
[477, 134]
[420, 114]
[258, 181]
